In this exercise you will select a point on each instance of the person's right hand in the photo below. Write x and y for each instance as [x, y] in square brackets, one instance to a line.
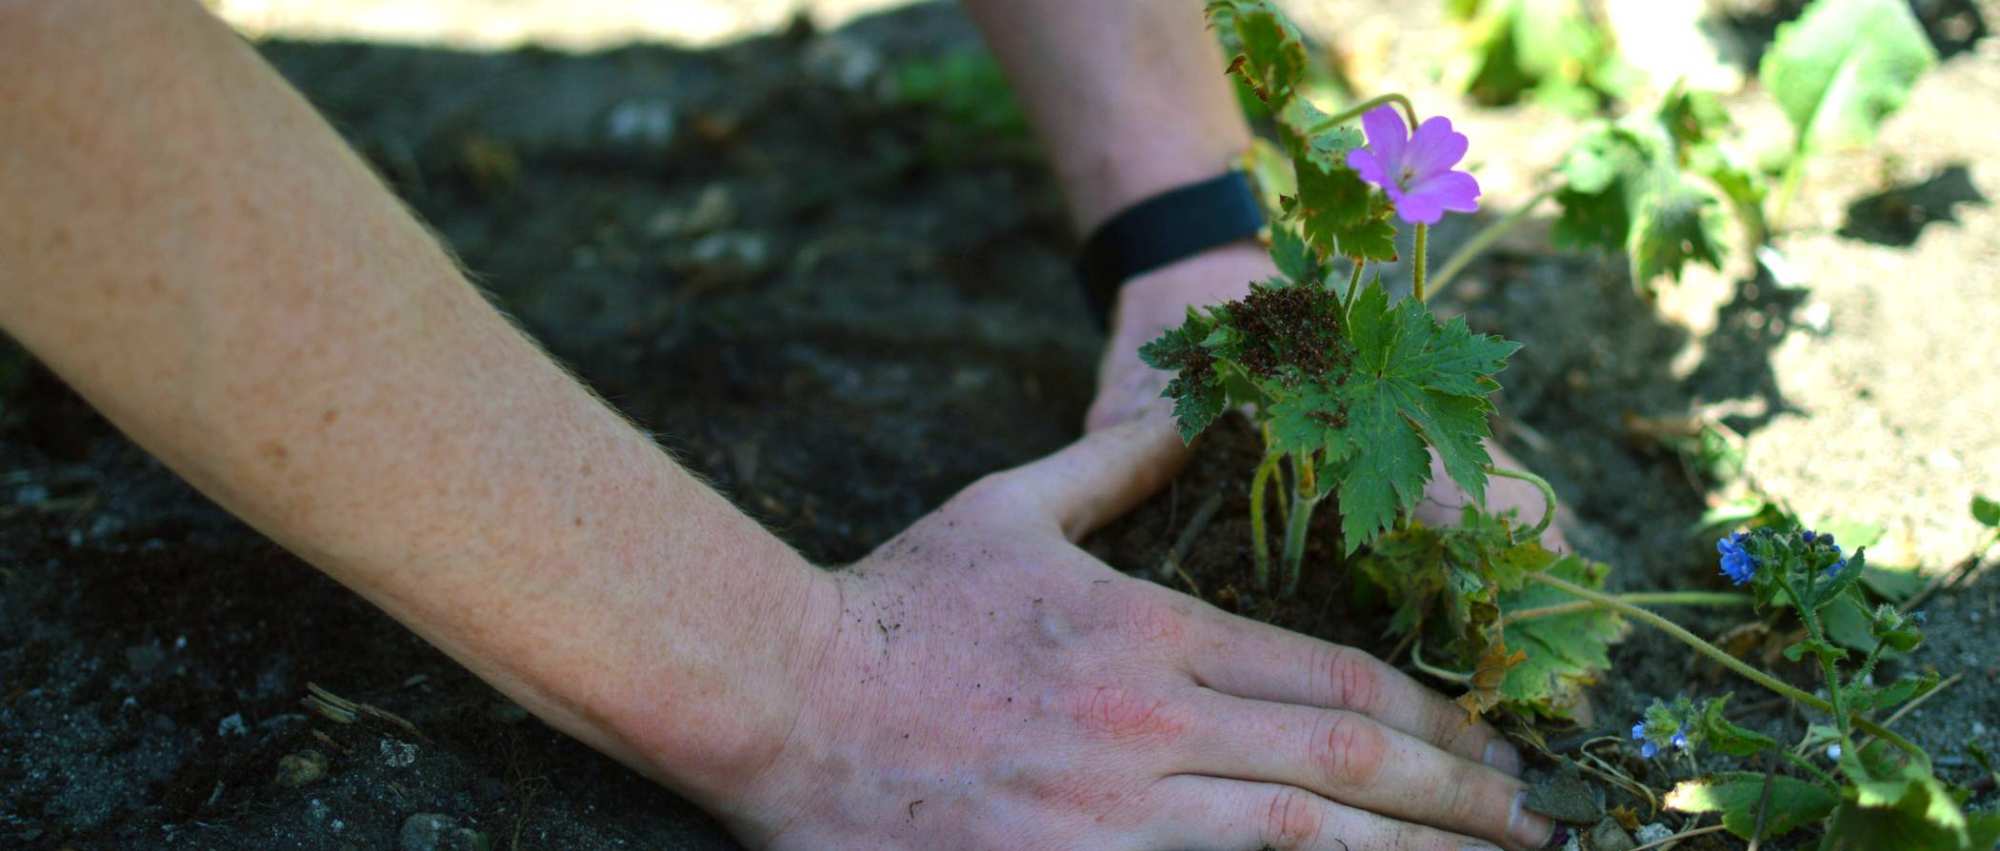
[990, 685]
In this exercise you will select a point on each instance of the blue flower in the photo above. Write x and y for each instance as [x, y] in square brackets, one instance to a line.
[1833, 752]
[1809, 535]
[1738, 565]
[1649, 750]
[1639, 731]
[1680, 741]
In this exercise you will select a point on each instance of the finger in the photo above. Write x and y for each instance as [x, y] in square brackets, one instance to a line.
[1355, 760]
[1101, 475]
[1248, 659]
[1234, 815]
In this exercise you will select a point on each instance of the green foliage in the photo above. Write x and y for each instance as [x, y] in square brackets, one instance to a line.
[1843, 67]
[968, 89]
[1565, 652]
[1458, 589]
[1986, 511]
[1551, 50]
[1631, 187]
[1738, 795]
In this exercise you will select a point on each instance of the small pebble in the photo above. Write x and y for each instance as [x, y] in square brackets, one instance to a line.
[232, 725]
[398, 754]
[302, 768]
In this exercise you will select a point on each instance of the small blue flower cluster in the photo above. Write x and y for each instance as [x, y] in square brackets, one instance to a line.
[1648, 748]
[1738, 565]
[1741, 567]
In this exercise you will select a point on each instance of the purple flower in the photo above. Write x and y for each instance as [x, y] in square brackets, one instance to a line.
[1737, 564]
[1415, 170]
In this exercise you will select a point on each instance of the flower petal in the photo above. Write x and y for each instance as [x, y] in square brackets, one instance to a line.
[1364, 161]
[1417, 209]
[1434, 149]
[1387, 137]
[1453, 190]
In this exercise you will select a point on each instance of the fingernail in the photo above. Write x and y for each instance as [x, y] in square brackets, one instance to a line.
[1530, 829]
[1504, 757]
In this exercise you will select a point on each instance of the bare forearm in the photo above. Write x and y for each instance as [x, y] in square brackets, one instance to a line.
[217, 272]
[1129, 97]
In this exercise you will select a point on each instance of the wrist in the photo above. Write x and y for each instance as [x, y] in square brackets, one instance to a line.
[1159, 299]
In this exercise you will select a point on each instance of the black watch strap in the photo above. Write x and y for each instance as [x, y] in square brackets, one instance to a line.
[1173, 225]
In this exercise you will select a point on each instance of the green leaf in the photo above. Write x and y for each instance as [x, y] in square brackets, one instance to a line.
[1269, 55]
[1197, 388]
[1293, 258]
[1414, 381]
[1311, 139]
[1720, 735]
[1843, 67]
[1341, 212]
[1565, 652]
[1906, 809]
[1676, 223]
[1986, 511]
[1737, 795]
[1552, 49]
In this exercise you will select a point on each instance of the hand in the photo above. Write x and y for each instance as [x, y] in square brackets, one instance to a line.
[990, 685]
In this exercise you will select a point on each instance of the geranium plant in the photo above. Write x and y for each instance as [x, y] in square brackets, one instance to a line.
[1353, 390]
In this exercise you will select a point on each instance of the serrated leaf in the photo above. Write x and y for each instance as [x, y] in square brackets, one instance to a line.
[1565, 652]
[1292, 257]
[1413, 382]
[1270, 56]
[1737, 795]
[1487, 679]
[1311, 420]
[1843, 67]
[1312, 139]
[1340, 213]
[1676, 223]
[1197, 388]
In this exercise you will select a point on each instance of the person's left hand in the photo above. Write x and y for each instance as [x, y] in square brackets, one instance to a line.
[1152, 303]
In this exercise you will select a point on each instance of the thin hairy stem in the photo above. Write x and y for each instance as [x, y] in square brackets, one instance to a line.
[1740, 667]
[1417, 661]
[1260, 551]
[1352, 112]
[1353, 286]
[1417, 262]
[1472, 248]
[1638, 598]
[1548, 493]
[1295, 540]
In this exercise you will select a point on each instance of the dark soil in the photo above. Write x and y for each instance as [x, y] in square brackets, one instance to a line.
[837, 309]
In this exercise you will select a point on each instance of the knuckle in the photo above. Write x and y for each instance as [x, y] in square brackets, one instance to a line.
[1123, 714]
[1349, 750]
[1354, 680]
[1293, 820]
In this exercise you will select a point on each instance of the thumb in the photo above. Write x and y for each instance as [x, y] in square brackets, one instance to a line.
[1103, 474]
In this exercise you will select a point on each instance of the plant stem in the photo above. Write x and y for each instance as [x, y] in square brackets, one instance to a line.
[1417, 661]
[1548, 493]
[1417, 262]
[1732, 663]
[1295, 540]
[1472, 248]
[1259, 550]
[1640, 598]
[1353, 286]
[1350, 113]
[1699, 831]
[1810, 768]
